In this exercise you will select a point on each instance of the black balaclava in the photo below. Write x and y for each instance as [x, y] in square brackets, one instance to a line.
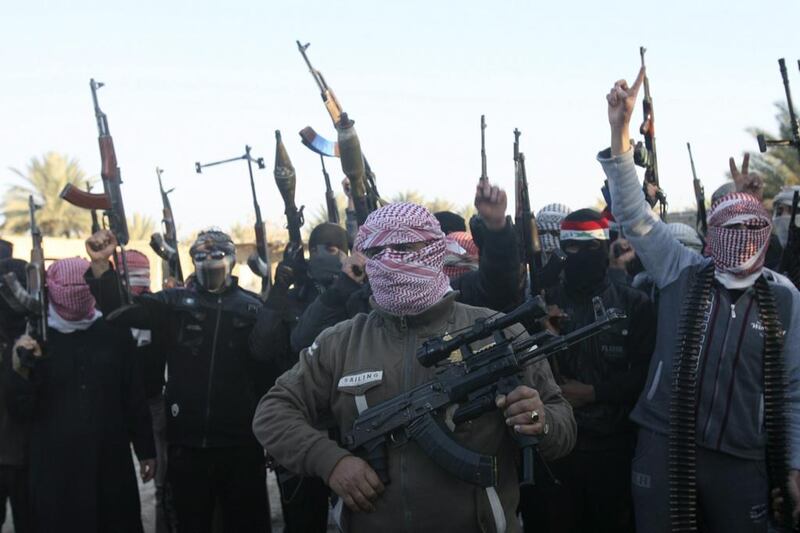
[213, 255]
[585, 268]
[324, 265]
[450, 222]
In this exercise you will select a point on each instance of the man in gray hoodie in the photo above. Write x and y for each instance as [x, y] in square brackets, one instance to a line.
[713, 421]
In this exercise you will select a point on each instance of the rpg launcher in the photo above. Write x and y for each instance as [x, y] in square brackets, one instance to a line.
[165, 244]
[645, 154]
[110, 201]
[31, 302]
[473, 384]
[286, 180]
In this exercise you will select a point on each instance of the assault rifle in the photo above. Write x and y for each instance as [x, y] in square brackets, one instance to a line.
[645, 154]
[286, 179]
[525, 221]
[348, 147]
[166, 244]
[110, 201]
[701, 222]
[262, 267]
[790, 262]
[32, 301]
[473, 383]
[794, 125]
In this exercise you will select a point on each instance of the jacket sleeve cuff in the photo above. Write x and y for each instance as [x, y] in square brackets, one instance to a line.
[323, 456]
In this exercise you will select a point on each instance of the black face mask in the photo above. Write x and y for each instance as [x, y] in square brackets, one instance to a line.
[585, 269]
[323, 266]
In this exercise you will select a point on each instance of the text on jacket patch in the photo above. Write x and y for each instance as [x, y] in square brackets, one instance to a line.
[361, 379]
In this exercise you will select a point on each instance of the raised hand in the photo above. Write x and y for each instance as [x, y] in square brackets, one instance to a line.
[750, 183]
[621, 101]
[491, 202]
[100, 248]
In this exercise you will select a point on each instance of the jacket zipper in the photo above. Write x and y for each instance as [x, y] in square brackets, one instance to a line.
[715, 390]
[211, 370]
[407, 378]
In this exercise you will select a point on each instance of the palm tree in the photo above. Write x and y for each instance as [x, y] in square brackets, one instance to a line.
[779, 166]
[140, 227]
[44, 178]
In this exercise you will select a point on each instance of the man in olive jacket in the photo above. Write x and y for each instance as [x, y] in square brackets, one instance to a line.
[371, 358]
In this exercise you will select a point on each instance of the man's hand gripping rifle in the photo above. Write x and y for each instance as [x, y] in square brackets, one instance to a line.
[473, 384]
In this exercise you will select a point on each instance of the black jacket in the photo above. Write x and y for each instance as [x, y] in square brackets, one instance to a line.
[615, 361]
[218, 363]
[496, 285]
[86, 405]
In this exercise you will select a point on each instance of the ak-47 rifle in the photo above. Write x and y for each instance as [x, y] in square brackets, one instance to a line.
[262, 268]
[32, 301]
[794, 125]
[286, 179]
[473, 384]
[701, 223]
[348, 147]
[166, 244]
[330, 198]
[110, 201]
[530, 246]
[645, 155]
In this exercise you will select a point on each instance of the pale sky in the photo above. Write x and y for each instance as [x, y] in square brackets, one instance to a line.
[188, 81]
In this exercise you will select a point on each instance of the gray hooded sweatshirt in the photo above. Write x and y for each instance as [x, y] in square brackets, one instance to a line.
[730, 414]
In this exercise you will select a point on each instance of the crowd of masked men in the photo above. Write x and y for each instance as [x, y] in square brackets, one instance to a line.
[212, 384]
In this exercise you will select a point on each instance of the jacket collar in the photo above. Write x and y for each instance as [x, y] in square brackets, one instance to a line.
[431, 318]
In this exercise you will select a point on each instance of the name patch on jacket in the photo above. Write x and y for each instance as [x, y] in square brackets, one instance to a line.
[357, 380]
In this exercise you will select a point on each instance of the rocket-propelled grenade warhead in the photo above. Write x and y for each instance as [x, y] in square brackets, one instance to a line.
[285, 176]
[351, 157]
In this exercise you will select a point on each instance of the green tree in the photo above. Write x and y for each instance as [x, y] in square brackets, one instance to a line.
[140, 227]
[44, 178]
[779, 166]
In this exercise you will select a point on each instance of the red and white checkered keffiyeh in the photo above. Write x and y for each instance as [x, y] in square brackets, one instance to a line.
[462, 254]
[738, 253]
[404, 283]
[68, 292]
[138, 271]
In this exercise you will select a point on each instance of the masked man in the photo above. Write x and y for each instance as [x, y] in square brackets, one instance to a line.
[601, 378]
[304, 500]
[372, 357]
[14, 433]
[720, 411]
[83, 396]
[495, 284]
[215, 378]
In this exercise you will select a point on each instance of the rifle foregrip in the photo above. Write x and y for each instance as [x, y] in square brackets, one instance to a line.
[83, 199]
